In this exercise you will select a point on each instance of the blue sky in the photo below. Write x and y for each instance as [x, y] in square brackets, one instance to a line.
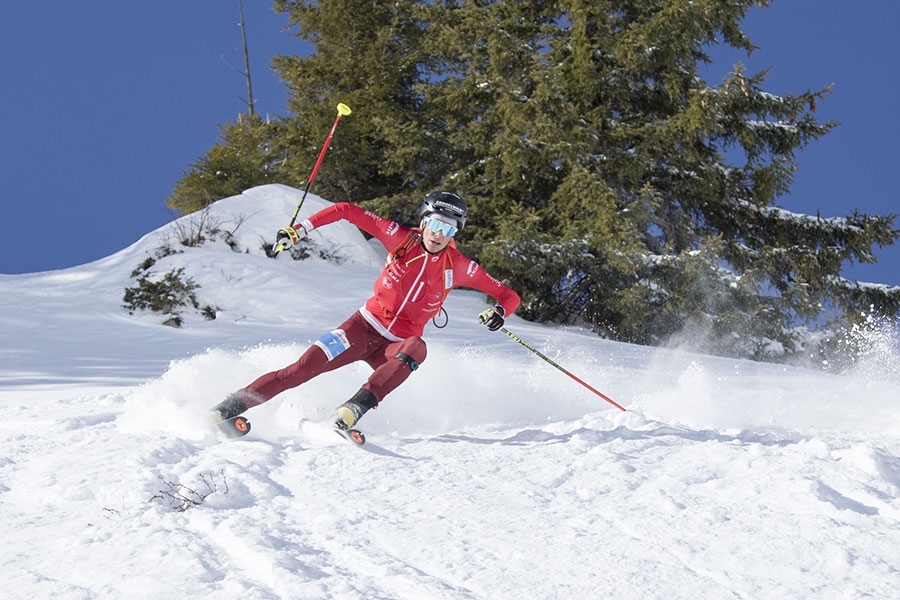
[105, 104]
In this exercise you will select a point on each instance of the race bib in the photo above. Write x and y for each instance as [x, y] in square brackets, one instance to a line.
[333, 343]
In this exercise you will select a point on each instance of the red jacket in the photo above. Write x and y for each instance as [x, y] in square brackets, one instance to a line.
[413, 284]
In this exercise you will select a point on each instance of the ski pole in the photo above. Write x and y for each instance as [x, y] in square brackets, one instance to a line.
[342, 111]
[527, 345]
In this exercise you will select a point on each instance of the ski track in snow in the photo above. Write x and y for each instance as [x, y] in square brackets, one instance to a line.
[487, 475]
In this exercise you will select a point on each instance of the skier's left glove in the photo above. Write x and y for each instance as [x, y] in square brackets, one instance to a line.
[492, 318]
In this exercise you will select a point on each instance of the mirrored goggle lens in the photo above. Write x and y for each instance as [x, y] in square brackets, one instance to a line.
[446, 229]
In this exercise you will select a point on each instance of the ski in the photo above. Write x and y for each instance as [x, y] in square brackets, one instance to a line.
[353, 435]
[239, 426]
[234, 427]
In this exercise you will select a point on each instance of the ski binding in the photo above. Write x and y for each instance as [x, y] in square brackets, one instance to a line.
[353, 435]
[234, 427]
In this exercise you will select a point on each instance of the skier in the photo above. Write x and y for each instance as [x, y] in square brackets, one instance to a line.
[422, 266]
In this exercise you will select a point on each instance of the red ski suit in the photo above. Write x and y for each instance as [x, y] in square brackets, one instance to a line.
[386, 331]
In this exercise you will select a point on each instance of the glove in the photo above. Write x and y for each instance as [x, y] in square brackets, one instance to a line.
[287, 237]
[492, 317]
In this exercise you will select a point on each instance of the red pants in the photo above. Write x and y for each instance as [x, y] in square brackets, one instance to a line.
[354, 340]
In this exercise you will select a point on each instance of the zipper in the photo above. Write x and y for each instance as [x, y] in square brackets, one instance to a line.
[417, 286]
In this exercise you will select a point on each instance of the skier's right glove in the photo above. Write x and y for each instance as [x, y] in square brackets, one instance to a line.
[287, 237]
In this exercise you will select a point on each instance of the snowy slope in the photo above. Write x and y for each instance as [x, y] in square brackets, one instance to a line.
[489, 474]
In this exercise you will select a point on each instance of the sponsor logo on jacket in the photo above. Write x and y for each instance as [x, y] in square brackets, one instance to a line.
[393, 228]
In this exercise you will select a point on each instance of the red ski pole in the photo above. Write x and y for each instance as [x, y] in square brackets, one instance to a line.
[342, 111]
[524, 343]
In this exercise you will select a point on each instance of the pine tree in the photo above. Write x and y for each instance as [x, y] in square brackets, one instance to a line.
[607, 181]
[609, 106]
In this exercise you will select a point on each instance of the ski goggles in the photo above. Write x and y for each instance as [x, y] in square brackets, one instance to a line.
[446, 229]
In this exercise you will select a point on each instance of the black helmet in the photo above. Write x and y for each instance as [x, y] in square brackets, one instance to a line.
[446, 203]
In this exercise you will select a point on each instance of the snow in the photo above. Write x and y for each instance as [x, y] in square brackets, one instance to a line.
[488, 474]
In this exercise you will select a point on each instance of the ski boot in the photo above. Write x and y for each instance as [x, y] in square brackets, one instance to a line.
[226, 415]
[350, 412]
